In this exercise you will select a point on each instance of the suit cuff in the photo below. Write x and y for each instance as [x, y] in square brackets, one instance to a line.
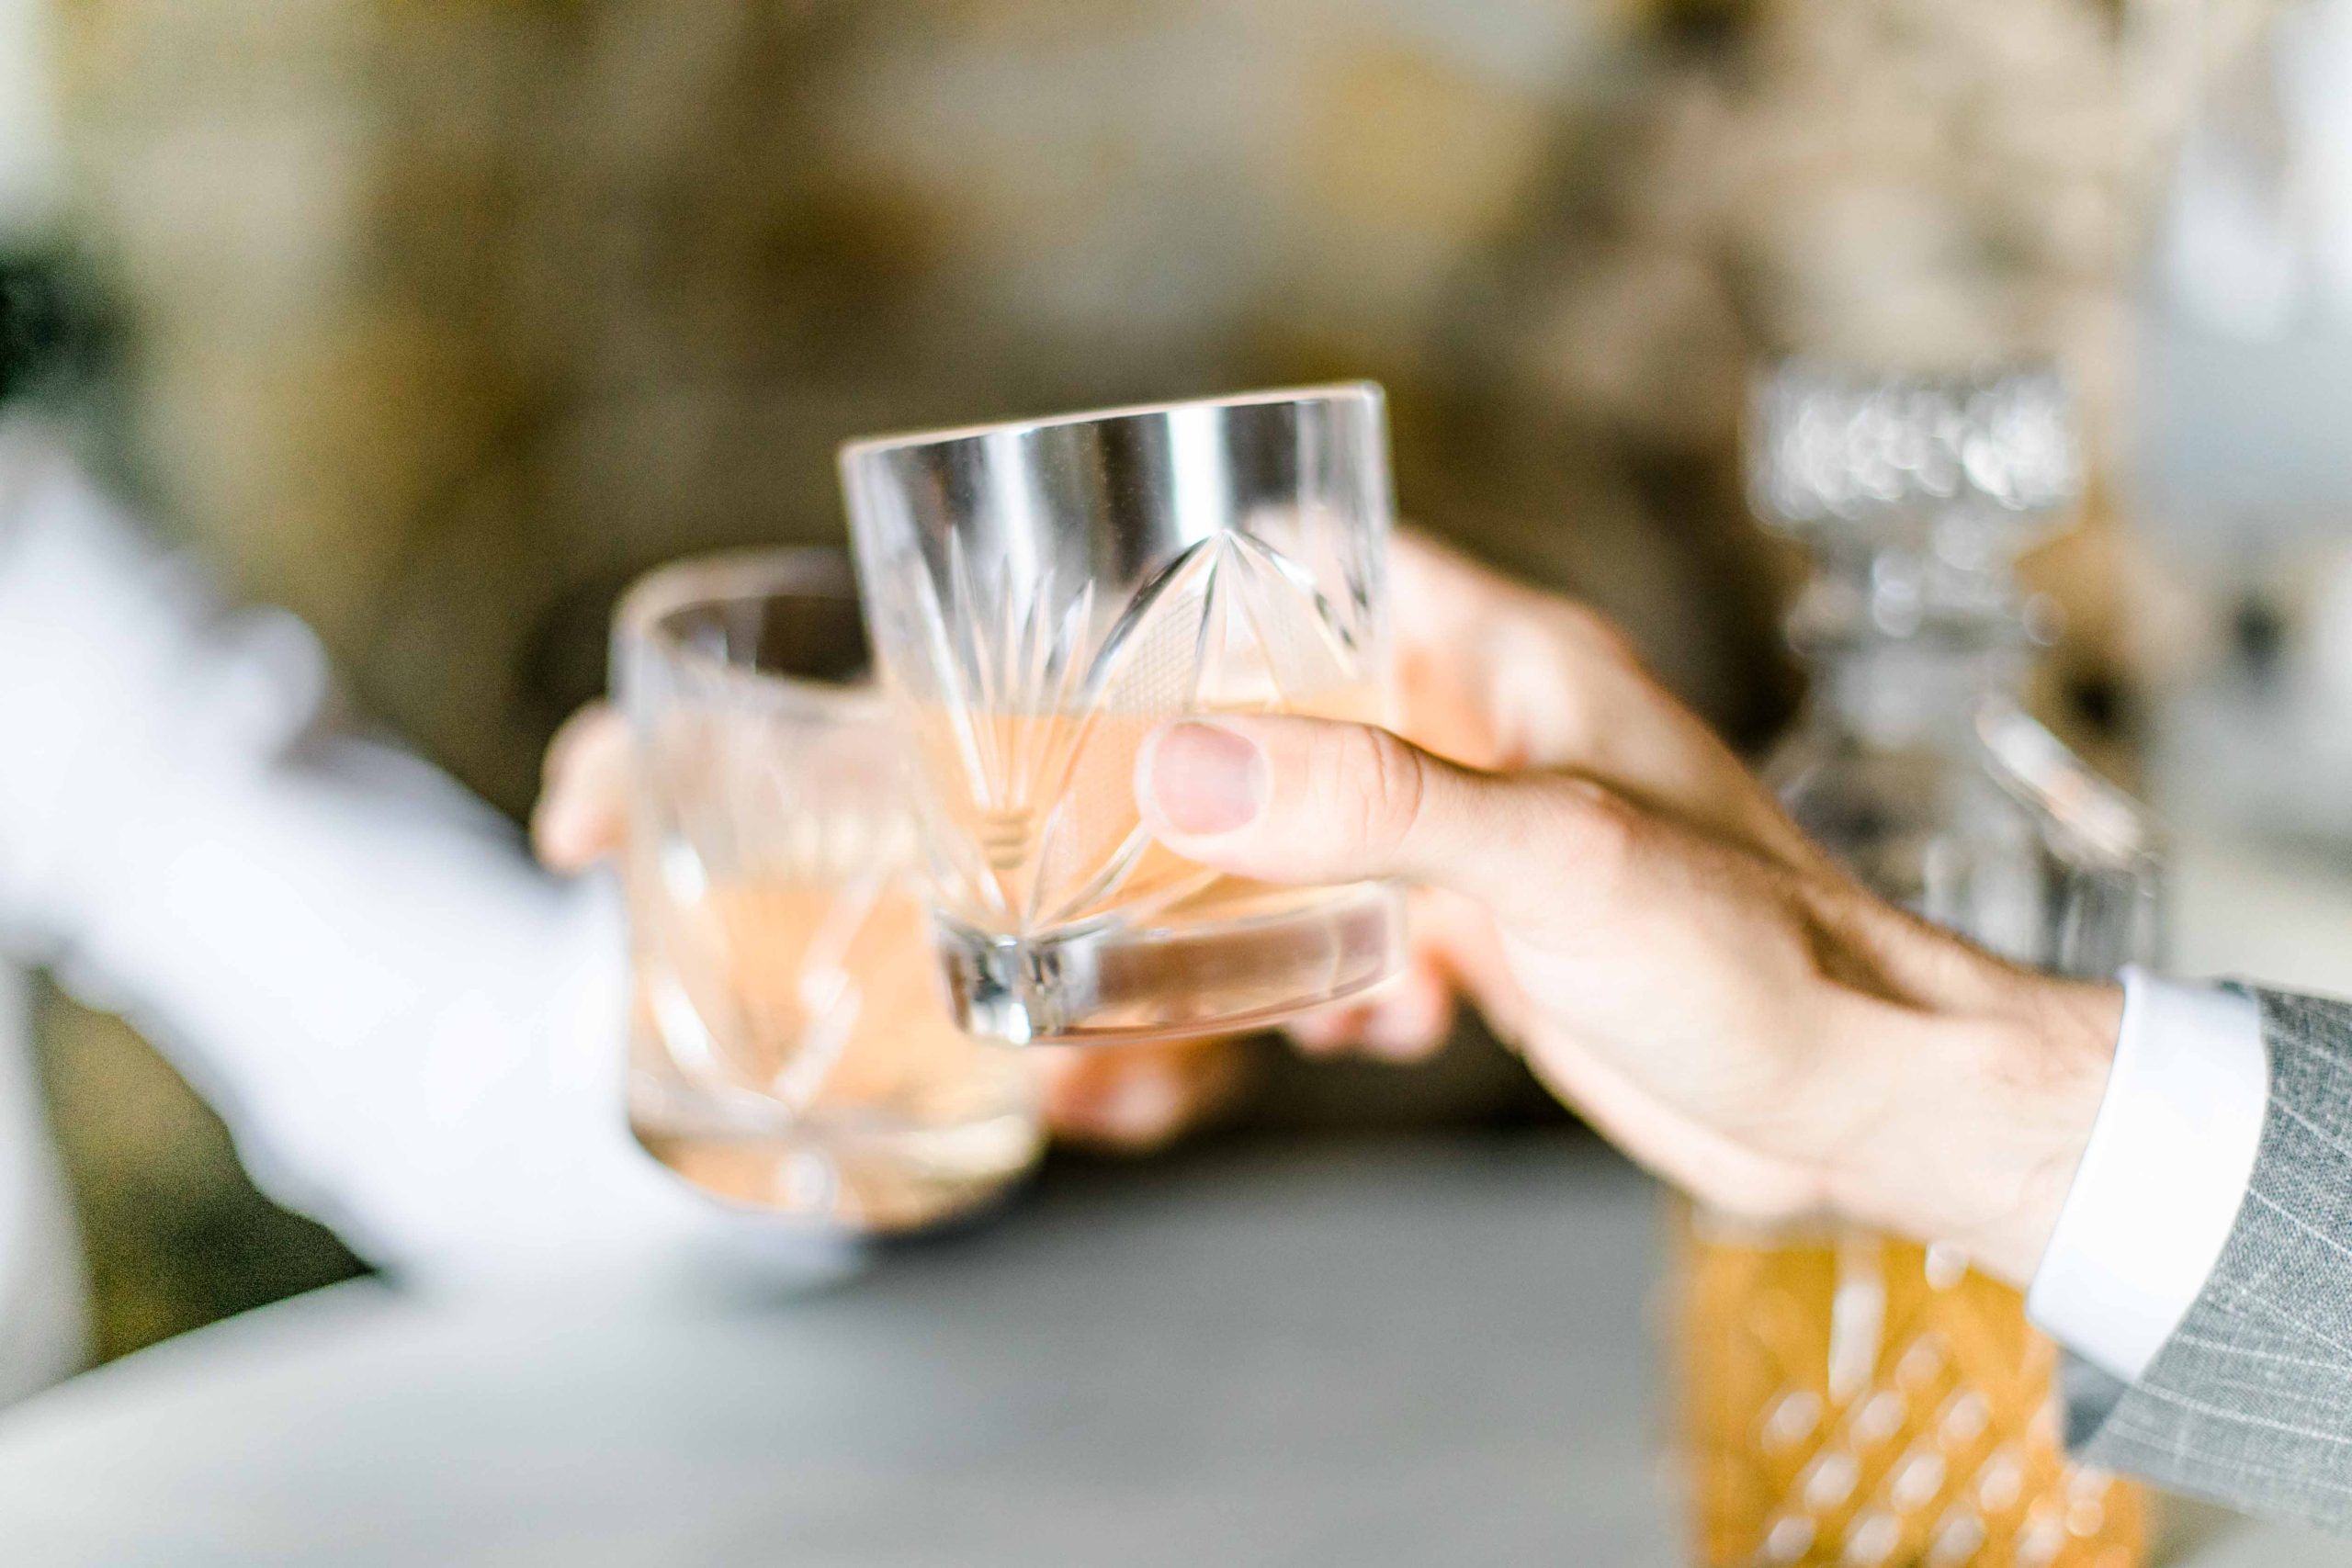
[2162, 1177]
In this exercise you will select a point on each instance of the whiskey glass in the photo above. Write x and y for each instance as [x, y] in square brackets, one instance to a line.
[790, 1047]
[1043, 594]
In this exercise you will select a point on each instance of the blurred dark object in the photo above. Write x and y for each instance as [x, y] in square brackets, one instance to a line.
[52, 337]
[173, 1233]
[2259, 632]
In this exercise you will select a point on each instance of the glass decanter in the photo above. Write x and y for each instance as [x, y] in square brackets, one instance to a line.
[1854, 1398]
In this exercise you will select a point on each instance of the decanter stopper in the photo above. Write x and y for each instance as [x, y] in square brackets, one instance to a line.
[1982, 463]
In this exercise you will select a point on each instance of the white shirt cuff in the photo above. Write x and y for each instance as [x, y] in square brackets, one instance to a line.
[2162, 1176]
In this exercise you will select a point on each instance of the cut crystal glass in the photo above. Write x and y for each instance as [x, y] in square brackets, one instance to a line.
[1044, 594]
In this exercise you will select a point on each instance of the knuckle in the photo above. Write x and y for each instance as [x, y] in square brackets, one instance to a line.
[1604, 831]
[1548, 702]
[1375, 787]
[1599, 638]
[1588, 641]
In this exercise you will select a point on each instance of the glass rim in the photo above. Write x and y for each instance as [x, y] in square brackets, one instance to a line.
[1363, 389]
[756, 573]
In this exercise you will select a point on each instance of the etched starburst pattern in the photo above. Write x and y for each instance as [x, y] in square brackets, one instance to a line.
[1031, 695]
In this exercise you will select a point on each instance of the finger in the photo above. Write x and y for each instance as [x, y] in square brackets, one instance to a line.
[1301, 800]
[1412, 1017]
[1441, 592]
[1130, 1108]
[1502, 675]
[582, 810]
[1403, 1020]
[1140, 1097]
[1099, 1097]
[1330, 1031]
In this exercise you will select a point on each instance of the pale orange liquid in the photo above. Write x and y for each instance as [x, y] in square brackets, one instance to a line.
[1053, 836]
[1928, 1436]
[822, 1000]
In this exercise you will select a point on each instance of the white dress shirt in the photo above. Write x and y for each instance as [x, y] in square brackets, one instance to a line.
[414, 1035]
[2162, 1176]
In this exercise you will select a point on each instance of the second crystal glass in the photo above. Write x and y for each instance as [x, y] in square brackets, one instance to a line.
[1042, 594]
[788, 1047]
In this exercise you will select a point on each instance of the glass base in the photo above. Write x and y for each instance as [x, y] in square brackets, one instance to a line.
[876, 1186]
[867, 1169]
[1232, 959]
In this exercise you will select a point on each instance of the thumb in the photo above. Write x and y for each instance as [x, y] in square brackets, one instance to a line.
[1307, 800]
[582, 810]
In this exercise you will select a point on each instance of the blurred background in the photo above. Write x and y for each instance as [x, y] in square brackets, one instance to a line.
[436, 324]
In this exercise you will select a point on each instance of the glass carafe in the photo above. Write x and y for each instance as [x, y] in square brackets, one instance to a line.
[1854, 1398]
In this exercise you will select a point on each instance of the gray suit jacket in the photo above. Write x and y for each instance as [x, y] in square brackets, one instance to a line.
[2250, 1401]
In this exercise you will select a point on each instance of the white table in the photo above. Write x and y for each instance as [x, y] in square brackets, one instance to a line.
[1411, 1354]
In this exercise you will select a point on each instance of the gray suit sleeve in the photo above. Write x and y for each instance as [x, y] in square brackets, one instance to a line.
[2250, 1401]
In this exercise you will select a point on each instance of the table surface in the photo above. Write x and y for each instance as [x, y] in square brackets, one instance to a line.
[1415, 1354]
[1400, 1354]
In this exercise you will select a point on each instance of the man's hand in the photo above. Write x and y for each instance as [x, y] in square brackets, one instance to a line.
[1501, 676]
[1131, 1098]
[1624, 900]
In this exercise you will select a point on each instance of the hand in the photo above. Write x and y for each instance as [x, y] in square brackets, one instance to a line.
[1497, 675]
[1131, 1099]
[1624, 900]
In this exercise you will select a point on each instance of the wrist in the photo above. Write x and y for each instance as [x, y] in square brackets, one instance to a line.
[1986, 1100]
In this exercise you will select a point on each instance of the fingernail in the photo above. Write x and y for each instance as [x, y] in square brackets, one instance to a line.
[1205, 778]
